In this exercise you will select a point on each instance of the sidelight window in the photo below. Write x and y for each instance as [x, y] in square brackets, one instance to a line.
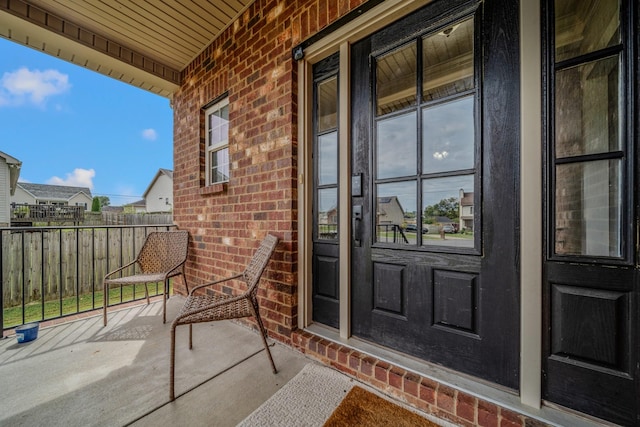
[326, 148]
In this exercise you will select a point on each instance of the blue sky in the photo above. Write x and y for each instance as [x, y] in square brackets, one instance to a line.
[72, 126]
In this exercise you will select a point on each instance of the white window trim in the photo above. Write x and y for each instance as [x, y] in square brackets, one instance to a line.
[213, 148]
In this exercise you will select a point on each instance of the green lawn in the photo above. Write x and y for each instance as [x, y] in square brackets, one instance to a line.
[72, 305]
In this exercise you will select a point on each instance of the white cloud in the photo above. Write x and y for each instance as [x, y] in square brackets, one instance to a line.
[78, 178]
[34, 87]
[150, 134]
[440, 155]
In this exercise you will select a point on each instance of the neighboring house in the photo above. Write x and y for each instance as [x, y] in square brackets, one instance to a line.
[466, 210]
[532, 104]
[390, 211]
[159, 194]
[44, 194]
[9, 174]
[139, 206]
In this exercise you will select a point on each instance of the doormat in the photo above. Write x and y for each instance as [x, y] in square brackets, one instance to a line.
[363, 408]
[305, 401]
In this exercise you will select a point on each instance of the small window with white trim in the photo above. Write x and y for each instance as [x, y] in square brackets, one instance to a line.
[217, 143]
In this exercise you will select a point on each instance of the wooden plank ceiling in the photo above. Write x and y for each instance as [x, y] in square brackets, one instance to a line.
[146, 43]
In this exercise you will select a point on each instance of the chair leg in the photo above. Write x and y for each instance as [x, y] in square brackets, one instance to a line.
[173, 363]
[184, 278]
[146, 292]
[263, 335]
[190, 336]
[164, 301]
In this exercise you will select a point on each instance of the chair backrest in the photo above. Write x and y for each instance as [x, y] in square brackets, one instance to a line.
[163, 251]
[259, 262]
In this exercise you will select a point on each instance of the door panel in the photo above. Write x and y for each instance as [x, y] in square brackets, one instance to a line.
[445, 297]
[591, 315]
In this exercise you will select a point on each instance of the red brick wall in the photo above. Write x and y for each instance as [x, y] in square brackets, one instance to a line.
[252, 62]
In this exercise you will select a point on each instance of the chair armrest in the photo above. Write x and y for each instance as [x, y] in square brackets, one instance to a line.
[119, 269]
[215, 282]
[170, 272]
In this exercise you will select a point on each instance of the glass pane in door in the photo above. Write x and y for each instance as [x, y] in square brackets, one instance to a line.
[583, 26]
[327, 216]
[328, 158]
[396, 146]
[396, 80]
[447, 211]
[448, 136]
[395, 211]
[588, 208]
[327, 104]
[448, 61]
[588, 108]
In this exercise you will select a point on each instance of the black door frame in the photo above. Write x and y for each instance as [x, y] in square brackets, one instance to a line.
[500, 284]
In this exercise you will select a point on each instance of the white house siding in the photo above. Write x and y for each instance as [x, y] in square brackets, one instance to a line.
[159, 198]
[22, 197]
[81, 199]
[5, 215]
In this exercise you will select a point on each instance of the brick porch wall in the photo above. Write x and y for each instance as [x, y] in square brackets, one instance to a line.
[422, 393]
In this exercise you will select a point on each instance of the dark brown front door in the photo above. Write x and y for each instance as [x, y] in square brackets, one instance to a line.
[435, 143]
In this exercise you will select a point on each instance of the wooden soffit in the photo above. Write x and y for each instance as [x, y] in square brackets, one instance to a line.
[145, 43]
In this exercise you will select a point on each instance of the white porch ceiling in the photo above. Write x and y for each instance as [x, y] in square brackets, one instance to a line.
[146, 43]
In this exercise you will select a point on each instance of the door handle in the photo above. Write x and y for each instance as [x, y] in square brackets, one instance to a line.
[356, 226]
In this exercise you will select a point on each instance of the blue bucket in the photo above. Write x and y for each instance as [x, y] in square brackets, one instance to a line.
[28, 332]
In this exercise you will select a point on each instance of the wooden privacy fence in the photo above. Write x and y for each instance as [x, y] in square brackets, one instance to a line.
[119, 218]
[40, 264]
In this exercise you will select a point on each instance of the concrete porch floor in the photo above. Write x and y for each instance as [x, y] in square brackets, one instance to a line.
[79, 373]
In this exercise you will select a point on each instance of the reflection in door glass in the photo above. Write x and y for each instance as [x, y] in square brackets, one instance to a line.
[328, 104]
[448, 61]
[448, 136]
[328, 159]
[396, 146]
[587, 108]
[585, 26]
[396, 80]
[395, 212]
[588, 209]
[447, 211]
[327, 217]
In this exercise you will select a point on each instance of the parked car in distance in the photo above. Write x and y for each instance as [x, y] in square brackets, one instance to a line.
[414, 229]
[448, 229]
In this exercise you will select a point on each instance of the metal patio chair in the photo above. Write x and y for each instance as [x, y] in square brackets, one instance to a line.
[208, 308]
[162, 257]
